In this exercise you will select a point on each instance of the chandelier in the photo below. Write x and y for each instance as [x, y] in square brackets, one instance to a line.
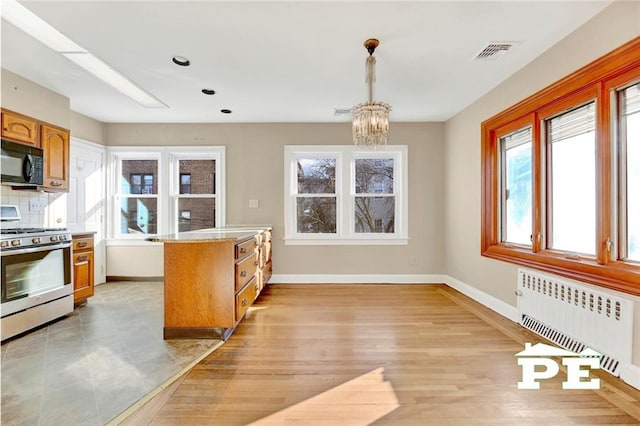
[371, 119]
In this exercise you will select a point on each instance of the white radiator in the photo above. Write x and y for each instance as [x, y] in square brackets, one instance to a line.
[575, 316]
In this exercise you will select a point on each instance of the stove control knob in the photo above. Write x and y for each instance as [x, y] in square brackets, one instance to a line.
[15, 243]
[35, 240]
[4, 244]
[62, 237]
[54, 238]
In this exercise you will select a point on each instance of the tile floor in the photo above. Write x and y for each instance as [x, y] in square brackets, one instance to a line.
[88, 367]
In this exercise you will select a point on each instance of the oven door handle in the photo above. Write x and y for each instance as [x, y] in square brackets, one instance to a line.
[47, 247]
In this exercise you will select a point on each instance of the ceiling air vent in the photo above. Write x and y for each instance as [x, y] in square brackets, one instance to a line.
[341, 111]
[493, 51]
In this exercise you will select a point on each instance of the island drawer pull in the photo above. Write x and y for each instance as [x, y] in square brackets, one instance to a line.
[81, 244]
[243, 273]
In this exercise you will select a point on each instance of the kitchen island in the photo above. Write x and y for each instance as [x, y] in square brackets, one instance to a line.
[211, 278]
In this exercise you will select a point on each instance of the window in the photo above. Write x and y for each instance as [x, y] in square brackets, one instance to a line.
[184, 221]
[138, 196]
[185, 183]
[629, 101]
[195, 190]
[165, 189]
[316, 195]
[345, 195]
[141, 183]
[561, 176]
[516, 155]
[375, 198]
[572, 180]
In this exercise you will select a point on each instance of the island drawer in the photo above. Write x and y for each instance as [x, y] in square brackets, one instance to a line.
[245, 298]
[246, 269]
[246, 247]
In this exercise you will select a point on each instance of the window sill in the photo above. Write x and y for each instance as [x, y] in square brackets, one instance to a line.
[619, 276]
[401, 241]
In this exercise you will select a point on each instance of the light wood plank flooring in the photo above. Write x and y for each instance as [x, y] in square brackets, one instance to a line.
[377, 354]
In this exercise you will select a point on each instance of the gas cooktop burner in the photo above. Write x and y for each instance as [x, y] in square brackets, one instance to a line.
[15, 231]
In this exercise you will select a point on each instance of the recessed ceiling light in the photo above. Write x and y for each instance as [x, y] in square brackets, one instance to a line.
[208, 91]
[181, 60]
[225, 111]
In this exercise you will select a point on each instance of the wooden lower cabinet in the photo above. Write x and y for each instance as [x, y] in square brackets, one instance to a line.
[210, 285]
[83, 268]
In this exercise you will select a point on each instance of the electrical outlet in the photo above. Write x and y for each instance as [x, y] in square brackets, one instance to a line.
[37, 204]
[253, 204]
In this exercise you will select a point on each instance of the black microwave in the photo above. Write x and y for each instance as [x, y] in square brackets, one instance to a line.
[21, 164]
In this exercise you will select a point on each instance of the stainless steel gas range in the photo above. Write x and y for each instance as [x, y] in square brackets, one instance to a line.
[36, 276]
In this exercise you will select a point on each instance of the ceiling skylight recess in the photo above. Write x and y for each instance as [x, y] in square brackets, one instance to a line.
[18, 15]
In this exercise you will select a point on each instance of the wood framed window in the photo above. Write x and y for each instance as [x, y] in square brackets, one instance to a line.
[561, 176]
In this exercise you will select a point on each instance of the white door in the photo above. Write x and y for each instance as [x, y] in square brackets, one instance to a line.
[86, 203]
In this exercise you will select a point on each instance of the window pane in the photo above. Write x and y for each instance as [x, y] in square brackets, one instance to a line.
[573, 181]
[139, 177]
[516, 187]
[374, 176]
[138, 215]
[316, 175]
[196, 213]
[632, 108]
[197, 176]
[375, 214]
[316, 215]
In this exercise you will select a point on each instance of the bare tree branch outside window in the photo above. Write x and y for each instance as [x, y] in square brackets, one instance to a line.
[316, 201]
[375, 205]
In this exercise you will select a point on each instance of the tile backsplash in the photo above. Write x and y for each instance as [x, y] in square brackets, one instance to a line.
[37, 209]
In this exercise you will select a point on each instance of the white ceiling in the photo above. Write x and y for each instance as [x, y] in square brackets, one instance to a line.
[287, 61]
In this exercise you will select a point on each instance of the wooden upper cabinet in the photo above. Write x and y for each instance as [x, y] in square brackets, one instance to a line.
[55, 144]
[19, 128]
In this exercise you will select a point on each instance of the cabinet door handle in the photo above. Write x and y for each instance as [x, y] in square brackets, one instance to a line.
[244, 302]
[243, 273]
[55, 183]
[82, 258]
[81, 244]
[243, 250]
[255, 263]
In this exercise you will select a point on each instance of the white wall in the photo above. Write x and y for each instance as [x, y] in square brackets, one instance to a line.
[616, 25]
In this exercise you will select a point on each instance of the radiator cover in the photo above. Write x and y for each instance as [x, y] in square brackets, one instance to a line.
[574, 316]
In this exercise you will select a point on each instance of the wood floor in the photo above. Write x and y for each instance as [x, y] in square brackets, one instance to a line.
[377, 355]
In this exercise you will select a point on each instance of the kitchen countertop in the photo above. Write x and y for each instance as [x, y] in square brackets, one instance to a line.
[228, 233]
[74, 233]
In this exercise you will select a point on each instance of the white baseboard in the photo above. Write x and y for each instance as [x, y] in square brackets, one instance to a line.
[358, 279]
[630, 374]
[497, 305]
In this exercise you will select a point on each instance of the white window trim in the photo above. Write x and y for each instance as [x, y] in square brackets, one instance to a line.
[345, 195]
[167, 157]
[177, 154]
